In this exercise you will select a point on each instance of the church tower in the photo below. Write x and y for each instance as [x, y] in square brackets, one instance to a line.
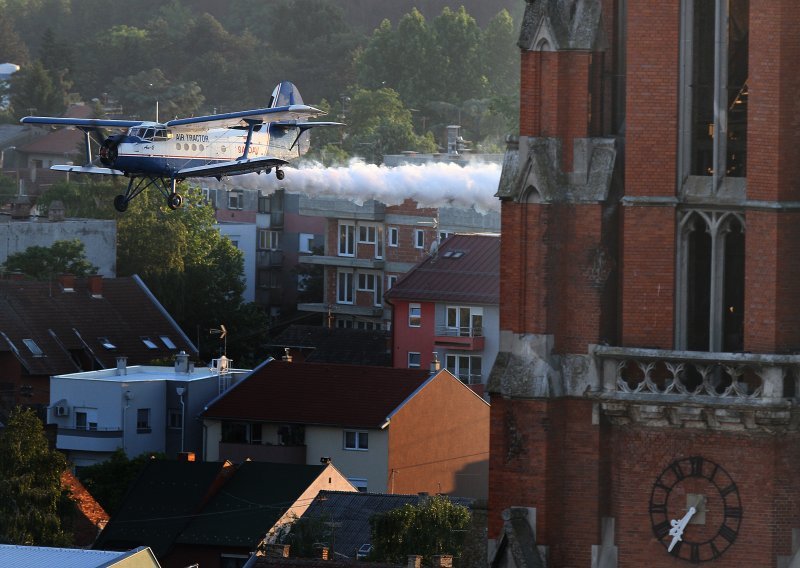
[645, 404]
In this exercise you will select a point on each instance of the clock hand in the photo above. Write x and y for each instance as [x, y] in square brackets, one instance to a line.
[676, 532]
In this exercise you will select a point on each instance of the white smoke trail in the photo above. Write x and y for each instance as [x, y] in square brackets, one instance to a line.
[430, 185]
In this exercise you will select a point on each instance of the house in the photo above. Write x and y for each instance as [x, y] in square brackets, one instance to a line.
[46, 557]
[645, 397]
[213, 513]
[347, 517]
[139, 408]
[77, 324]
[369, 246]
[447, 307]
[387, 430]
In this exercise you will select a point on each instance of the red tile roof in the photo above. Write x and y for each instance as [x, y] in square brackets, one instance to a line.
[63, 324]
[62, 140]
[318, 394]
[91, 518]
[465, 269]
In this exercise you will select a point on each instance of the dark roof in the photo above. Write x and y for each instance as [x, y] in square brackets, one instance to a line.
[160, 504]
[316, 393]
[68, 325]
[252, 501]
[338, 345]
[465, 269]
[61, 141]
[351, 513]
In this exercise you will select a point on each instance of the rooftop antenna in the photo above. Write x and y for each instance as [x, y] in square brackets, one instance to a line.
[223, 334]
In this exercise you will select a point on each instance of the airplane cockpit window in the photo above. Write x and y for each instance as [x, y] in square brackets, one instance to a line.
[161, 134]
[148, 135]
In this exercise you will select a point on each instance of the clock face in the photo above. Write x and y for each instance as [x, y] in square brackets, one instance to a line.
[695, 509]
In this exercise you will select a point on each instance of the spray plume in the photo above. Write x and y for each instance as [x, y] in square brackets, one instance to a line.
[430, 185]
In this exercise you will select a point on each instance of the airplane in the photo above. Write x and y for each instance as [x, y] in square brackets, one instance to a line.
[162, 154]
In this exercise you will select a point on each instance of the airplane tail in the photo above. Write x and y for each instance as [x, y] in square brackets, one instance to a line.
[285, 94]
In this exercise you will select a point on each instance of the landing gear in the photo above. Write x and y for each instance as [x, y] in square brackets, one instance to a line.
[279, 174]
[120, 203]
[137, 185]
[174, 201]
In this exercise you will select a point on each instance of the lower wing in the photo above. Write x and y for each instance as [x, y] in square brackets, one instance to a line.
[87, 170]
[234, 167]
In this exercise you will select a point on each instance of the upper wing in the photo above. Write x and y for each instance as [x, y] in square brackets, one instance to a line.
[233, 167]
[80, 122]
[244, 117]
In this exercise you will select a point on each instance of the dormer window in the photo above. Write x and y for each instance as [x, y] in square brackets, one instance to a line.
[167, 342]
[149, 343]
[35, 350]
[106, 343]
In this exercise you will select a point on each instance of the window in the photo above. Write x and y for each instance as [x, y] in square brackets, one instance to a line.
[356, 440]
[210, 196]
[33, 348]
[269, 240]
[359, 483]
[465, 367]
[149, 343]
[367, 234]
[106, 343]
[394, 236]
[167, 342]
[414, 315]
[464, 321]
[347, 234]
[366, 282]
[414, 360]
[235, 200]
[714, 59]
[86, 419]
[174, 418]
[391, 281]
[344, 287]
[263, 204]
[303, 281]
[444, 234]
[379, 244]
[306, 242]
[419, 238]
[143, 421]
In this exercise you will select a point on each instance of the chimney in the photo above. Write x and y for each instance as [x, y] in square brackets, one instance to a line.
[414, 561]
[182, 362]
[286, 357]
[95, 284]
[443, 561]
[435, 364]
[186, 456]
[67, 282]
[56, 211]
[274, 550]
[122, 365]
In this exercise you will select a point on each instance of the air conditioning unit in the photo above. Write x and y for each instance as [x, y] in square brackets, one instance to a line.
[62, 410]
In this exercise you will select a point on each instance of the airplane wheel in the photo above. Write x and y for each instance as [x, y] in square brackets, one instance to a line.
[174, 201]
[267, 170]
[120, 203]
[279, 174]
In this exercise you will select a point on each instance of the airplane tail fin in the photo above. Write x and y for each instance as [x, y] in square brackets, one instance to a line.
[285, 94]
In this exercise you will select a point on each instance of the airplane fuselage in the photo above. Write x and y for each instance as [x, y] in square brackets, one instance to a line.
[153, 149]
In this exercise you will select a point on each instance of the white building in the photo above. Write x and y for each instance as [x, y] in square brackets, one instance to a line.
[137, 408]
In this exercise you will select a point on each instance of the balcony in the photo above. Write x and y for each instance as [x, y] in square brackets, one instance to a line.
[344, 261]
[239, 452]
[100, 440]
[460, 338]
[726, 391]
[269, 258]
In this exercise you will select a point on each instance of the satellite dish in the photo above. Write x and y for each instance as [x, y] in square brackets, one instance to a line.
[434, 247]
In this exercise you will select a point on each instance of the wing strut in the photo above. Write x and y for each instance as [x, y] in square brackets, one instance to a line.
[251, 124]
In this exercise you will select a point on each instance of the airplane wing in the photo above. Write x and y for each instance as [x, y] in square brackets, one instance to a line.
[244, 117]
[233, 167]
[80, 122]
[87, 170]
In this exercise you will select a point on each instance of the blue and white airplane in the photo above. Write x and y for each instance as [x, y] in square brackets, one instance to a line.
[162, 154]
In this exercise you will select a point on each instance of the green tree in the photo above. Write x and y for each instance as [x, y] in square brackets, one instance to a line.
[43, 263]
[379, 124]
[434, 526]
[139, 93]
[8, 189]
[91, 198]
[33, 90]
[108, 481]
[12, 48]
[30, 484]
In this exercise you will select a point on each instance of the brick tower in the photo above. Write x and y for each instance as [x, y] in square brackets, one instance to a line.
[645, 404]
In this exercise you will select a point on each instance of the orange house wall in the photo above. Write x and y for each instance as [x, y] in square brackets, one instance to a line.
[453, 423]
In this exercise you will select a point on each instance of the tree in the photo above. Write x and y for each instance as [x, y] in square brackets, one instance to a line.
[8, 189]
[12, 48]
[30, 484]
[108, 481]
[43, 263]
[434, 526]
[91, 198]
[139, 94]
[33, 90]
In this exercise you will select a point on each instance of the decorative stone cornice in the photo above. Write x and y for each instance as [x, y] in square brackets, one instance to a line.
[560, 25]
